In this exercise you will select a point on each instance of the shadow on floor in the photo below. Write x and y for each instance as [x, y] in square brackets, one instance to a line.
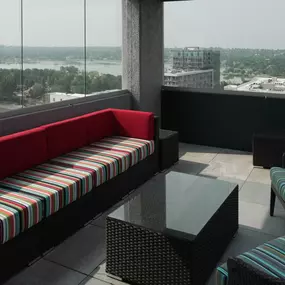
[188, 167]
[184, 148]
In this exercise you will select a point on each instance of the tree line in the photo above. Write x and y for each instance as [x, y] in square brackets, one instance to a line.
[247, 63]
[37, 82]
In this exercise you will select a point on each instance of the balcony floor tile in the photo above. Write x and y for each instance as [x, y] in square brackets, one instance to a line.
[93, 281]
[47, 273]
[257, 216]
[258, 193]
[100, 274]
[260, 175]
[238, 170]
[84, 251]
[197, 153]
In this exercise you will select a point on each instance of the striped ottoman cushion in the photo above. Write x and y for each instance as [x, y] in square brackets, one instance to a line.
[133, 149]
[277, 175]
[18, 212]
[268, 258]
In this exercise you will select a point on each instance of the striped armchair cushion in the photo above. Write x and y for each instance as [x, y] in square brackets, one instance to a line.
[268, 258]
[277, 175]
[18, 212]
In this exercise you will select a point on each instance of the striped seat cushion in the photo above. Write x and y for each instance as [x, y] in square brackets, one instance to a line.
[268, 258]
[134, 150]
[18, 212]
[277, 175]
[54, 189]
[74, 160]
[83, 177]
[107, 158]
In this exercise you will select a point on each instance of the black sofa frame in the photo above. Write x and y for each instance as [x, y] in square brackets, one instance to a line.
[21, 251]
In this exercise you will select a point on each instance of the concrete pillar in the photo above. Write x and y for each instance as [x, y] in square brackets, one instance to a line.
[143, 45]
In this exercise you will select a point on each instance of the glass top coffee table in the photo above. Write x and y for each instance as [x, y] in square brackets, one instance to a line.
[174, 231]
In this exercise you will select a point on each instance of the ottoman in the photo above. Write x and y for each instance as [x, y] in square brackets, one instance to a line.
[168, 148]
[268, 149]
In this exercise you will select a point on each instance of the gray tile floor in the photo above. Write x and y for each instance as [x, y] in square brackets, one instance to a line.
[80, 259]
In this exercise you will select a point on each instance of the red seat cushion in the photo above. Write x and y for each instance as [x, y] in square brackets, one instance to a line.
[65, 136]
[99, 125]
[134, 124]
[22, 150]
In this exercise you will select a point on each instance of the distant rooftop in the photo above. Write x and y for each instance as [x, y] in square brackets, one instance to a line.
[80, 95]
[177, 73]
[261, 84]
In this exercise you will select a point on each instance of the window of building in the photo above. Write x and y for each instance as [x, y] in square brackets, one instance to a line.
[57, 50]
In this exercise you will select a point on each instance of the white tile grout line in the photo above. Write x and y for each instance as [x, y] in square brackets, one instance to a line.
[67, 267]
[101, 227]
[243, 181]
[249, 174]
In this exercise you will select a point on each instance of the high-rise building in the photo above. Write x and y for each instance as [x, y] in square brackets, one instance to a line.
[193, 79]
[195, 58]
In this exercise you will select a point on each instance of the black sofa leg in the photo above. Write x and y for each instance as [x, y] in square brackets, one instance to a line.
[272, 202]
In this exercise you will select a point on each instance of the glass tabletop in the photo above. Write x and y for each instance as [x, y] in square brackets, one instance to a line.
[175, 203]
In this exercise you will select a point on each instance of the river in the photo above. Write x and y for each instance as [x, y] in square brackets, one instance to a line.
[102, 66]
[110, 67]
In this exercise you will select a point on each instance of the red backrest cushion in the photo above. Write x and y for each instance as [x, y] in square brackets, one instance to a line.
[65, 136]
[22, 150]
[134, 124]
[99, 125]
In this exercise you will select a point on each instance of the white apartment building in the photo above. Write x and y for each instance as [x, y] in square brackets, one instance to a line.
[193, 79]
[195, 58]
[60, 96]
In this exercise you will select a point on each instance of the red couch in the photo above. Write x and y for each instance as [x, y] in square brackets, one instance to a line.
[55, 178]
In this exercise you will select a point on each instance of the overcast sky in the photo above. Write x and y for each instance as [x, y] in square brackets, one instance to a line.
[218, 23]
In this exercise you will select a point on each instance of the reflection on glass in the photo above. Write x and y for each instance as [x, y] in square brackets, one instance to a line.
[10, 55]
[104, 40]
[44, 46]
[53, 51]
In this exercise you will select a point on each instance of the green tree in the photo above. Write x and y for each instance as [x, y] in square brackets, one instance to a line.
[8, 86]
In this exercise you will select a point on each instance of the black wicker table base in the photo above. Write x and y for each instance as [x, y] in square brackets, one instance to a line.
[146, 244]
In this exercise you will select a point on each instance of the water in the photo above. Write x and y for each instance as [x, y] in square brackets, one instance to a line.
[106, 67]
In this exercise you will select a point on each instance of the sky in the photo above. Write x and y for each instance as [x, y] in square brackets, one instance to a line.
[205, 23]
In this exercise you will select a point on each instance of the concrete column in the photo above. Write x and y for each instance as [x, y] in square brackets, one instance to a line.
[143, 45]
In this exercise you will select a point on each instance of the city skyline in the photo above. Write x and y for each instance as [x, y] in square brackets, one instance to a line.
[221, 23]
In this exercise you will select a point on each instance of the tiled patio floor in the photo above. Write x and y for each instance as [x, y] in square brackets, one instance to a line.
[80, 259]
